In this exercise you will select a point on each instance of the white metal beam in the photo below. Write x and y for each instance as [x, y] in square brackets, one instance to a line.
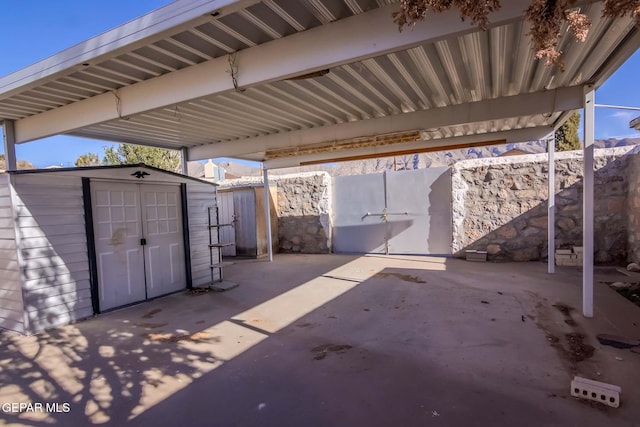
[520, 135]
[184, 159]
[493, 109]
[348, 40]
[9, 145]
[267, 210]
[551, 204]
[587, 202]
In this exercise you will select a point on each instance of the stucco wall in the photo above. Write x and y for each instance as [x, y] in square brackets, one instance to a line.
[499, 205]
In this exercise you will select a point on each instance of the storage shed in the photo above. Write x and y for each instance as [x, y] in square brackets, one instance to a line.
[78, 242]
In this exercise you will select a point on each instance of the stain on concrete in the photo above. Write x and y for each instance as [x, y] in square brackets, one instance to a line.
[563, 308]
[566, 311]
[570, 346]
[323, 350]
[152, 313]
[403, 277]
[304, 325]
[578, 349]
[151, 325]
[200, 336]
[198, 291]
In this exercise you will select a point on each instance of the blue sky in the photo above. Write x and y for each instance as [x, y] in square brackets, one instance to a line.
[32, 30]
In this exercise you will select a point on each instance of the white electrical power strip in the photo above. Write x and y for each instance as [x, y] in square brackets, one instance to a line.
[597, 391]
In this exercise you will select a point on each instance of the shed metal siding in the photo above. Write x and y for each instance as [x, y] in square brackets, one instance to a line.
[53, 245]
[200, 197]
[244, 204]
[11, 302]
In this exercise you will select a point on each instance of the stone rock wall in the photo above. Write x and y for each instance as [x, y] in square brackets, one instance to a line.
[302, 206]
[633, 213]
[304, 221]
[500, 205]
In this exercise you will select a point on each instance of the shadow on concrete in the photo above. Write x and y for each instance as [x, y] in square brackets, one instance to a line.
[332, 343]
[106, 368]
[522, 235]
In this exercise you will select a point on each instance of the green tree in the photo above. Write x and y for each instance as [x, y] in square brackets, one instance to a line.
[567, 138]
[21, 164]
[126, 154]
[88, 159]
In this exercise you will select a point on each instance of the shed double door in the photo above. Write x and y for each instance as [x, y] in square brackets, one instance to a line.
[138, 241]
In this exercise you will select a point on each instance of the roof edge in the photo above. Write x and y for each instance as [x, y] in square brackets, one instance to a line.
[155, 23]
[89, 168]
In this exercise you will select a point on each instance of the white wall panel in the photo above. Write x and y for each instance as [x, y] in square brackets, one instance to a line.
[200, 197]
[53, 245]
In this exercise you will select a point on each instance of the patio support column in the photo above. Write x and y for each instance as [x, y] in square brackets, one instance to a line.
[267, 211]
[551, 204]
[183, 160]
[587, 202]
[9, 145]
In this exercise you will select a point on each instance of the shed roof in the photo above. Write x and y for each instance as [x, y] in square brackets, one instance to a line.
[107, 172]
[292, 82]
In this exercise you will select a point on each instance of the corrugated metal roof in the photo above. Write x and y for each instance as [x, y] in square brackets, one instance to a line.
[465, 68]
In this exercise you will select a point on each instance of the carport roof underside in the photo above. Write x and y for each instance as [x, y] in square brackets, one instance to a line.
[235, 78]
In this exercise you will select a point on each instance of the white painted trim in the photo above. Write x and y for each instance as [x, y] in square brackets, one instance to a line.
[587, 197]
[345, 41]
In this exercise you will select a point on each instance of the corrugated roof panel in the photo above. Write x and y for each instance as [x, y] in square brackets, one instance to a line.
[276, 27]
[296, 15]
[283, 106]
[452, 71]
[283, 121]
[241, 116]
[356, 89]
[308, 93]
[286, 93]
[380, 68]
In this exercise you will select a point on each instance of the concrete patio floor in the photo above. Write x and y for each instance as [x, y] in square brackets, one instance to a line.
[335, 340]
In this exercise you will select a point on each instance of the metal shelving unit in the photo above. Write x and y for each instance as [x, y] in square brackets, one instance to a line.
[216, 262]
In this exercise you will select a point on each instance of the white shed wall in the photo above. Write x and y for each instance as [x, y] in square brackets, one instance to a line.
[11, 303]
[199, 198]
[53, 245]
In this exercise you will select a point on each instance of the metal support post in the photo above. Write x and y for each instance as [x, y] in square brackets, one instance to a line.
[267, 211]
[587, 207]
[551, 204]
[10, 145]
